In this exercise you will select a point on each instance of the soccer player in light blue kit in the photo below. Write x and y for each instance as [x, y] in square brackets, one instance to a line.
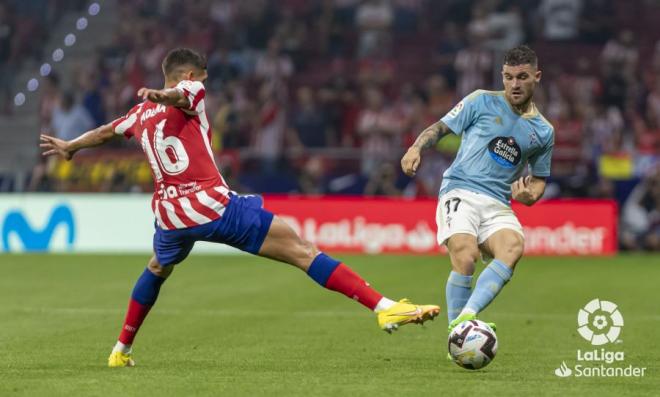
[502, 134]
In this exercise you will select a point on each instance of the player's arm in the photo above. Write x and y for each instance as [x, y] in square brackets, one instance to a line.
[66, 149]
[168, 96]
[428, 138]
[528, 190]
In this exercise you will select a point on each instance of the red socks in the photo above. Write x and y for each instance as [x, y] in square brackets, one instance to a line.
[134, 317]
[349, 283]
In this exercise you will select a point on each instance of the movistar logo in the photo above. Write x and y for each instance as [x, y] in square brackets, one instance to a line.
[34, 239]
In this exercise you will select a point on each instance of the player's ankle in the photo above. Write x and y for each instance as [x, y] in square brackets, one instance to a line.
[120, 347]
[383, 304]
[467, 311]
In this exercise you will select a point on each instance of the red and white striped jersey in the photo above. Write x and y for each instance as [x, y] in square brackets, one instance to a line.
[188, 188]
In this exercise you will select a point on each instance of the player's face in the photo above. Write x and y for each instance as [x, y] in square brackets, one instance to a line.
[519, 82]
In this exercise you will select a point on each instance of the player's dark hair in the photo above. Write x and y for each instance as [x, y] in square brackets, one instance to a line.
[181, 57]
[521, 55]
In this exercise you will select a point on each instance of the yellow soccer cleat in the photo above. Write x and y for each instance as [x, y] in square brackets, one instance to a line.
[404, 312]
[118, 359]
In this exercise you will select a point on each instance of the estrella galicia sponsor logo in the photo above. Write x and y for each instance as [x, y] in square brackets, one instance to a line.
[33, 239]
[600, 322]
[505, 151]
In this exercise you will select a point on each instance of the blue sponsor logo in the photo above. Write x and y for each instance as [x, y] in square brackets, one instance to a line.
[38, 240]
[505, 151]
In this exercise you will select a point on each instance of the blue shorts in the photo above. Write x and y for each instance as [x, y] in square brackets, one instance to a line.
[244, 225]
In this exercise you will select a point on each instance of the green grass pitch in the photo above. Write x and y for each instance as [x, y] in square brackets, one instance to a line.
[239, 325]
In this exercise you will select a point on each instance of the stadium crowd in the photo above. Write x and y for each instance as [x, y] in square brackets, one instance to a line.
[323, 97]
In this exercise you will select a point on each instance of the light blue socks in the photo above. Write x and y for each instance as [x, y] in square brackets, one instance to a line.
[489, 284]
[458, 290]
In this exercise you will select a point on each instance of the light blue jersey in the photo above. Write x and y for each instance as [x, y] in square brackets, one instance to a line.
[496, 145]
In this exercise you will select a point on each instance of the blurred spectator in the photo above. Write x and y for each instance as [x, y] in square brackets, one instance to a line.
[621, 54]
[257, 18]
[440, 98]
[340, 103]
[382, 182]
[274, 65]
[380, 131]
[309, 127]
[92, 99]
[50, 98]
[119, 95]
[597, 20]
[473, 65]
[585, 86]
[615, 89]
[292, 33]
[7, 34]
[505, 29]
[374, 19]
[647, 133]
[653, 100]
[311, 177]
[561, 19]
[331, 27]
[604, 130]
[70, 119]
[640, 220]
[378, 68]
[450, 43]
[221, 70]
[568, 152]
[407, 15]
[269, 129]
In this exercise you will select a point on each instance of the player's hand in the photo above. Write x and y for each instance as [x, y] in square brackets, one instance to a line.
[156, 96]
[521, 191]
[410, 161]
[53, 146]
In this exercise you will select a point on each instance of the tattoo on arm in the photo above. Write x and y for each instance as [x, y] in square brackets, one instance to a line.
[431, 135]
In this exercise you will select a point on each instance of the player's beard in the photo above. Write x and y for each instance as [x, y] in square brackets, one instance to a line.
[522, 100]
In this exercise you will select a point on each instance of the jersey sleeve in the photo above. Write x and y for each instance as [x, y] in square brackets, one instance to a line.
[540, 161]
[124, 125]
[194, 91]
[464, 114]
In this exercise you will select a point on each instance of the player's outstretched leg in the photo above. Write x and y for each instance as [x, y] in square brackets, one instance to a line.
[506, 246]
[142, 299]
[283, 244]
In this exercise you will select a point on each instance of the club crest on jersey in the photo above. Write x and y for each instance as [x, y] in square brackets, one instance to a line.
[149, 113]
[505, 151]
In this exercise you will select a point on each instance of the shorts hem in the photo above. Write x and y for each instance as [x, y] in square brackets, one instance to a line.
[444, 242]
[497, 229]
[266, 218]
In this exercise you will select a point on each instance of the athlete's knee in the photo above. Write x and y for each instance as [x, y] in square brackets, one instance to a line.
[159, 270]
[511, 249]
[306, 252]
[464, 257]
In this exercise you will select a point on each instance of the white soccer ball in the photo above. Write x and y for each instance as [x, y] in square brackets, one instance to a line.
[472, 344]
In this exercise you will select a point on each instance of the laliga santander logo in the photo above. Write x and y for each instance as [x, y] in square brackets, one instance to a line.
[600, 322]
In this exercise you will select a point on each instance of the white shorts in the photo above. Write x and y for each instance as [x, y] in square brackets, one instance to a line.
[463, 211]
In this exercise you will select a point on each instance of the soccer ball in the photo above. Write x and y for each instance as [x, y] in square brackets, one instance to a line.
[472, 344]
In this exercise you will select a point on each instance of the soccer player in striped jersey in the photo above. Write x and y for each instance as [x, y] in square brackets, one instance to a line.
[192, 202]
